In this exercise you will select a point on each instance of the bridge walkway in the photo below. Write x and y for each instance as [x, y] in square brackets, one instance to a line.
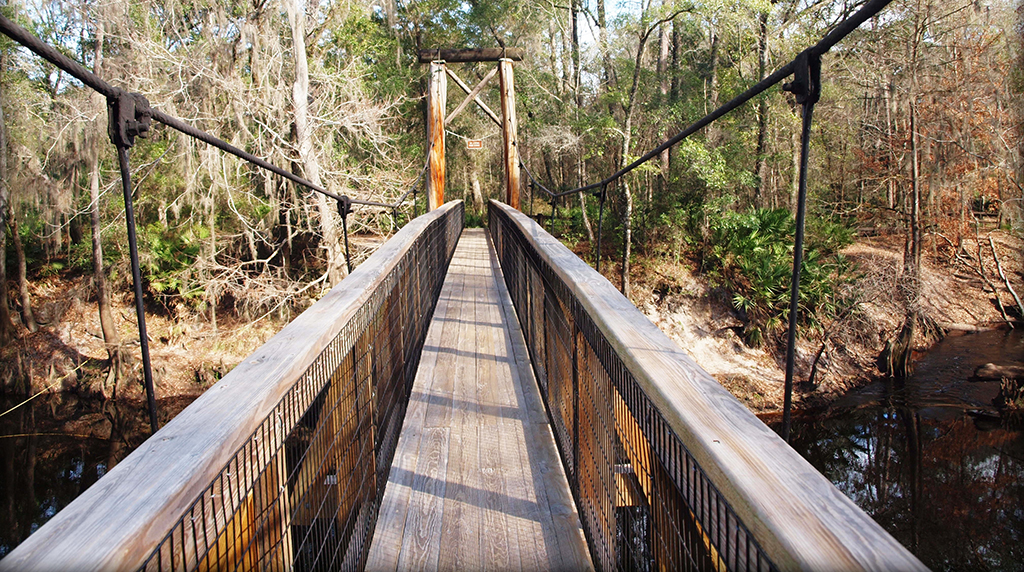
[476, 480]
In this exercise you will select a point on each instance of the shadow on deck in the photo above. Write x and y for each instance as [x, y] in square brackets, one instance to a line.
[476, 481]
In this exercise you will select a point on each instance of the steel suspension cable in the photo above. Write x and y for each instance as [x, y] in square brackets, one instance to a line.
[130, 116]
[843, 29]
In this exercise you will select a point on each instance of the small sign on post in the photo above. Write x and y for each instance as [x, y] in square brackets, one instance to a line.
[474, 144]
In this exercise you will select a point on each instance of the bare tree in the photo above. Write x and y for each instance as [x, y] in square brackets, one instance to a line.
[304, 141]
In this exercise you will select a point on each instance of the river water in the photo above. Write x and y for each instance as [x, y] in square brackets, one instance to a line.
[55, 446]
[930, 458]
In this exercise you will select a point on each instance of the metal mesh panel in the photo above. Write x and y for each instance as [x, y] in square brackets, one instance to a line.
[643, 501]
[304, 490]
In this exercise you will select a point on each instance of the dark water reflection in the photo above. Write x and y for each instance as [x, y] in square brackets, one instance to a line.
[929, 457]
[55, 447]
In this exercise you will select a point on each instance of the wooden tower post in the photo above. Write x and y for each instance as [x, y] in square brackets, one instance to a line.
[508, 131]
[437, 99]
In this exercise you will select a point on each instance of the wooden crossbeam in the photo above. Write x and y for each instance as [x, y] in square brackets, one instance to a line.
[472, 55]
[479, 102]
[472, 96]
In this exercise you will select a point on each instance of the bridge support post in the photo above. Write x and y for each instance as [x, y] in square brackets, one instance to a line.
[437, 99]
[508, 131]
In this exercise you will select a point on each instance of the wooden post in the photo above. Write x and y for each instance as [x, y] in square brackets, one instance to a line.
[437, 96]
[508, 131]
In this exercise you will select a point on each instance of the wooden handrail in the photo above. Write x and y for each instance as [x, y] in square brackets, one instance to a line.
[800, 520]
[118, 521]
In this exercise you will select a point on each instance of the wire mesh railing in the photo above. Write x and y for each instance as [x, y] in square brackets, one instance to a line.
[282, 464]
[668, 471]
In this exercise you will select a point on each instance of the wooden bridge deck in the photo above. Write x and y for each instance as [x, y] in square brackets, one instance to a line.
[476, 481]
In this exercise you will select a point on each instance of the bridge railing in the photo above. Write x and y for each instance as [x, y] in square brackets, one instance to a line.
[668, 470]
[282, 464]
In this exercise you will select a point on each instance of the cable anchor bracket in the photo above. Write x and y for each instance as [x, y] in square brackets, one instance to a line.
[806, 84]
[130, 116]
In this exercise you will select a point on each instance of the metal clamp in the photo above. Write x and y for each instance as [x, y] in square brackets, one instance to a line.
[806, 84]
[129, 115]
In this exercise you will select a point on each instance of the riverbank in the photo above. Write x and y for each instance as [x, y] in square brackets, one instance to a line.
[956, 294]
[67, 355]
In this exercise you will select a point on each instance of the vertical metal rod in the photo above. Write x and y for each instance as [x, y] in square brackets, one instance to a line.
[344, 228]
[798, 252]
[600, 225]
[140, 310]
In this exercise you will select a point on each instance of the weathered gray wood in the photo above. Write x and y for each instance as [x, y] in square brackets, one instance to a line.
[495, 512]
[120, 519]
[421, 545]
[797, 516]
[471, 55]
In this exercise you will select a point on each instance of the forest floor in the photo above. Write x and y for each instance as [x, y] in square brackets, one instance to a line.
[701, 320]
[67, 353]
[189, 354]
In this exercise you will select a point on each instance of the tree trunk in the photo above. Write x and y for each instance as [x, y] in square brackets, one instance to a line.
[576, 72]
[665, 86]
[602, 45]
[478, 195]
[713, 132]
[6, 325]
[311, 168]
[111, 338]
[760, 163]
[27, 318]
[627, 128]
[581, 167]
[912, 259]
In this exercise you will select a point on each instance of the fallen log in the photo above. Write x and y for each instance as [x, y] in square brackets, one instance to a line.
[996, 372]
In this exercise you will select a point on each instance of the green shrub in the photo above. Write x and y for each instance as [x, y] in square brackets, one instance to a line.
[168, 258]
[751, 255]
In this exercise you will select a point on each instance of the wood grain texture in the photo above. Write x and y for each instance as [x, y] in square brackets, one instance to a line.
[120, 519]
[509, 132]
[797, 516]
[437, 100]
[504, 503]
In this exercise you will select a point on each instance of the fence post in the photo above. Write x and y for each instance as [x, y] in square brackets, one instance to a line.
[437, 99]
[508, 131]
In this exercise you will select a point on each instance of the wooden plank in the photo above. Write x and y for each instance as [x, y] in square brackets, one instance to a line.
[797, 516]
[460, 535]
[390, 529]
[496, 512]
[552, 537]
[471, 55]
[119, 520]
[421, 544]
